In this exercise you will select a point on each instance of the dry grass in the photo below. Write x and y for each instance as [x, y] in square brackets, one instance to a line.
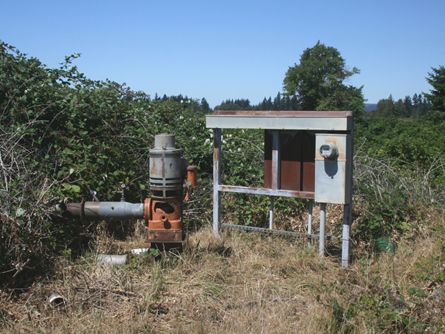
[241, 283]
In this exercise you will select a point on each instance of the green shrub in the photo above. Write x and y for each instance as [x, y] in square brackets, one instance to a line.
[63, 136]
[391, 200]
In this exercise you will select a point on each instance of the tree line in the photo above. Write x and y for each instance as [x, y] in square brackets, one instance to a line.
[415, 106]
[317, 83]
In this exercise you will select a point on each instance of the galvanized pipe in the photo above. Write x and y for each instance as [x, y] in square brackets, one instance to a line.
[345, 236]
[275, 232]
[309, 219]
[263, 230]
[276, 163]
[117, 210]
[347, 209]
[271, 213]
[217, 160]
[265, 191]
[321, 245]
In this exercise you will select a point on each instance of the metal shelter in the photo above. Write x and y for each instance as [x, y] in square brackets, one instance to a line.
[308, 154]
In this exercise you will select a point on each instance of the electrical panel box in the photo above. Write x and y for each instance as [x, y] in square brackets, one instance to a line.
[307, 154]
[333, 153]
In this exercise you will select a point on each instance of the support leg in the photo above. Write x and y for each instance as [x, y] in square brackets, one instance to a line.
[271, 213]
[216, 180]
[346, 235]
[309, 222]
[276, 165]
[275, 172]
[321, 247]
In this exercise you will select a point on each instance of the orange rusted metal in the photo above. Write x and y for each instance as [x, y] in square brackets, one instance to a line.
[191, 183]
[192, 176]
[282, 113]
[165, 221]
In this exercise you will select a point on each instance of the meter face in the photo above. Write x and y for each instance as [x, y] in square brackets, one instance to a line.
[329, 151]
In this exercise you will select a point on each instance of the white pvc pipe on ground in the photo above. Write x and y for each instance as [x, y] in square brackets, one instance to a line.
[112, 259]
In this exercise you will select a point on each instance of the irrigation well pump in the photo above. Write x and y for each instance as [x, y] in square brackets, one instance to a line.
[163, 211]
[171, 182]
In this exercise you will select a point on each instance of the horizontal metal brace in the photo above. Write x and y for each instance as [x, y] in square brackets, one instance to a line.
[266, 191]
[276, 232]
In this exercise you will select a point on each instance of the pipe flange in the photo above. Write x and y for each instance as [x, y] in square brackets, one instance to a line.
[147, 209]
[82, 210]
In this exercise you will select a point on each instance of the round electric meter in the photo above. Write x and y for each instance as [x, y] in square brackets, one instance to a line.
[329, 151]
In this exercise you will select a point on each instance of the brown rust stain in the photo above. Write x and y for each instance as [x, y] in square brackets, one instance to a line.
[287, 113]
[297, 154]
[339, 142]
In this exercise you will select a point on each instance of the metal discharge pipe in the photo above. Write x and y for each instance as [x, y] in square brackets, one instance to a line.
[99, 210]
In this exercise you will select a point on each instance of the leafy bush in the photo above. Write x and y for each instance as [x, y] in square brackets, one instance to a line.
[63, 136]
[399, 173]
[406, 142]
[243, 159]
[390, 199]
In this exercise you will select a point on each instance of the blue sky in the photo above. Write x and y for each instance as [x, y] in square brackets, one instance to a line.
[231, 49]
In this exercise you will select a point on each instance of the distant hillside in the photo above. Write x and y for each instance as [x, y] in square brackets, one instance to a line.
[370, 107]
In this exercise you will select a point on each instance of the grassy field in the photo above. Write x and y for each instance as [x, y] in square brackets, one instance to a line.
[242, 283]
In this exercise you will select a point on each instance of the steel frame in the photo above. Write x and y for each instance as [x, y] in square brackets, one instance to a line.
[275, 190]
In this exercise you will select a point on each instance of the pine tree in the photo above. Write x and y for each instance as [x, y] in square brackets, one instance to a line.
[408, 106]
[277, 102]
[385, 107]
[437, 94]
[204, 105]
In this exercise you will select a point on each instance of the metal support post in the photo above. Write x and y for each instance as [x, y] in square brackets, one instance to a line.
[347, 208]
[216, 180]
[275, 160]
[346, 235]
[321, 247]
[275, 172]
[309, 221]
[271, 213]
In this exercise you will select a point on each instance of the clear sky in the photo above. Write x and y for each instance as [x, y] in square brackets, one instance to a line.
[231, 49]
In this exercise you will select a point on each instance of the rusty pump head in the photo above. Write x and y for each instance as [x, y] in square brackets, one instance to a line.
[171, 182]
